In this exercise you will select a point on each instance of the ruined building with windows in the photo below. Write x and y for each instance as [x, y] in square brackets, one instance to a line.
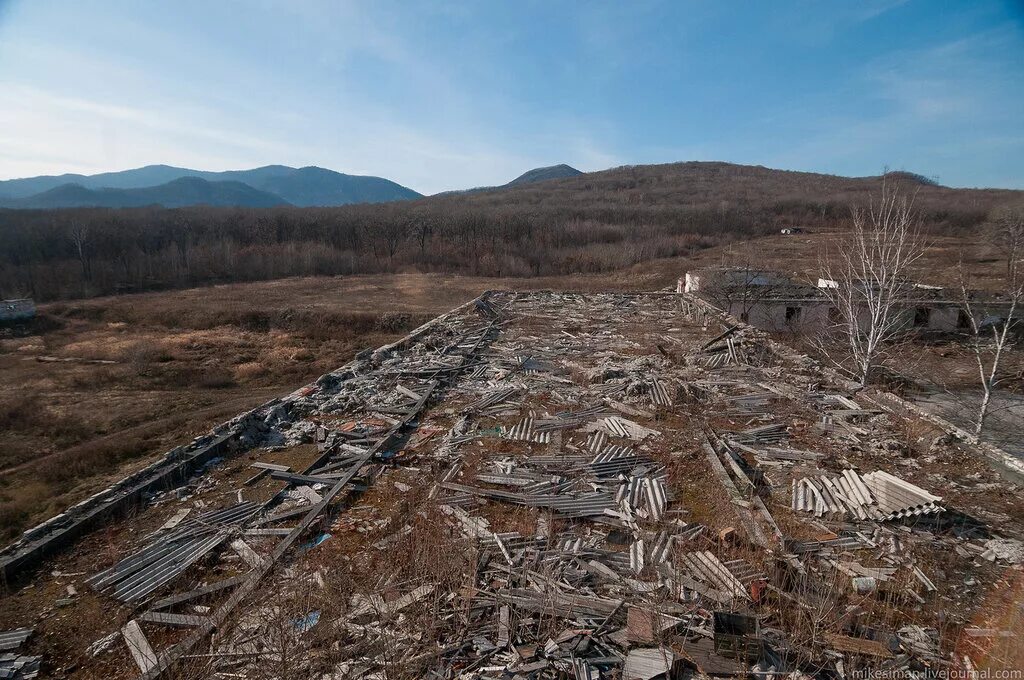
[776, 302]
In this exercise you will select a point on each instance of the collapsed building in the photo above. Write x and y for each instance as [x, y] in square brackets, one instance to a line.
[540, 485]
[776, 302]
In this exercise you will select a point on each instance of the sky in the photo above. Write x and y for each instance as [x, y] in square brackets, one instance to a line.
[450, 95]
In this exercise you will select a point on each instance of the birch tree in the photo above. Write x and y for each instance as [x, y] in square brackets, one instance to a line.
[867, 282]
[78, 232]
[989, 342]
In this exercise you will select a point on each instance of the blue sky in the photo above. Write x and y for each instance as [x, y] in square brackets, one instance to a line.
[444, 95]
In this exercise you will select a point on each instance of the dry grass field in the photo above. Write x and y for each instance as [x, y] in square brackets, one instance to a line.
[104, 384]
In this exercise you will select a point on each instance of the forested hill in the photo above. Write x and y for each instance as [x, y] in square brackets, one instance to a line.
[593, 222]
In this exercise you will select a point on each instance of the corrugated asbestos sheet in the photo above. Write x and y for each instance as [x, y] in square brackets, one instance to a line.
[13, 639]
[876, 496]
[161, 561]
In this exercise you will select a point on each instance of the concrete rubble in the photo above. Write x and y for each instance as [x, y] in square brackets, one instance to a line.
[555, 485]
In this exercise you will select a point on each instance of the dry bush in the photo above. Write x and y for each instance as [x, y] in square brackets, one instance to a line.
[90, 458]
[12, 516]
[29, 414]
[249, 371]
[24, 412]
[216, 378]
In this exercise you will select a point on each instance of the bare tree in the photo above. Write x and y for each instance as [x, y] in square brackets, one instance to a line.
[867, 281]
[989, 342]
[739, 291]
[78, 231]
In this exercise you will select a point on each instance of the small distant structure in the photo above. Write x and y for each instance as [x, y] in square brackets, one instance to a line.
[17, 310]
[789, 231]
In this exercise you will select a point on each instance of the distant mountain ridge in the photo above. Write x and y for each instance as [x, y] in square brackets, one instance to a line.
[177, 193]
[264, 186]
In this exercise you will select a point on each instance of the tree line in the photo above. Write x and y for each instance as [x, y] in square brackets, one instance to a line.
[59, 254]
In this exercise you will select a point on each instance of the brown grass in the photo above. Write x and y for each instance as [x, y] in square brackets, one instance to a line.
[184, 362]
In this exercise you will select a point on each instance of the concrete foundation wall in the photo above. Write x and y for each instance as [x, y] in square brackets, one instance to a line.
[17, 310]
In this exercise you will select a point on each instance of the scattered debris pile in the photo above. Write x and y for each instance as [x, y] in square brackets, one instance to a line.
[557, 485]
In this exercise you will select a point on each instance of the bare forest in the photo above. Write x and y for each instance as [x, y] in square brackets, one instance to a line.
[594, 223]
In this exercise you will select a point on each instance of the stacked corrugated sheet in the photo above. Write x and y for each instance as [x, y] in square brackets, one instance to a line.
[621, 427]
[764, 434]
[568, 505]
[493, 398]
[703, 566]
[875, 496]
[136, 576]
[645, 495]
[17, 667]
[846, 495]
[898, 498]
[12, 639]
[616, 460]
[659, 393]
[568, 419]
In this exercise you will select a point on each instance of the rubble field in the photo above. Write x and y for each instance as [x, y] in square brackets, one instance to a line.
[544, 485]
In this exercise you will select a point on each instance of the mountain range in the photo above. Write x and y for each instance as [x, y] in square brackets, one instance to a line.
[172, 187]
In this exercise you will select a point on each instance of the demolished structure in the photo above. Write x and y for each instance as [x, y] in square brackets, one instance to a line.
[540, 485]
[775, 302]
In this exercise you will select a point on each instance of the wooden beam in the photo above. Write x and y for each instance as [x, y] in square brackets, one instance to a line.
[293, 478]
[173, 620]
[138, 645]
[198, 592]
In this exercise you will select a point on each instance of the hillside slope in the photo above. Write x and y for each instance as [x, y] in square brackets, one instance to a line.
[728, 187]
[560, 171]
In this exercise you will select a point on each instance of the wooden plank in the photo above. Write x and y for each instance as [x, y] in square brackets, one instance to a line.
[175, 520]
[702, 653]
[504, 633]
[173, 620]
[293, 478]
[248, 555]
[273, 531]
[409, 393]
[256, 477]
[272, 467]
[198, 592]
[746, 518]
[850, 645]
[284, 514]
[138, 645]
